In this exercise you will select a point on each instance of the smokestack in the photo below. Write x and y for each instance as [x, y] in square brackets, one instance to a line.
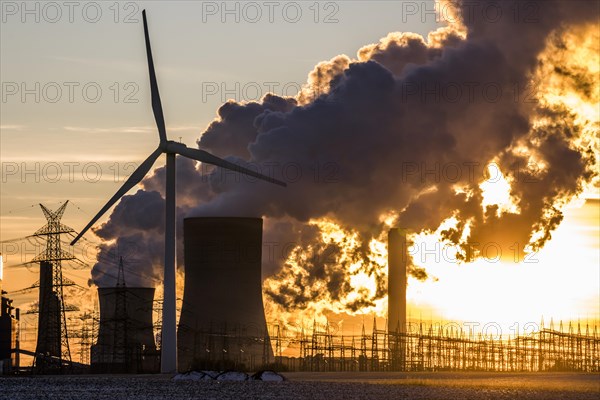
[138, 353]
[48, 335]
[397, 259]
[222, 322]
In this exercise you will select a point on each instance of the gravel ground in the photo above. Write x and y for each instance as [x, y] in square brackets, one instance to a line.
[344, 386]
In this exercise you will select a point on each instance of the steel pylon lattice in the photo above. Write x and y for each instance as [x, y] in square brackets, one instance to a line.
[121, 320]
[52, 350]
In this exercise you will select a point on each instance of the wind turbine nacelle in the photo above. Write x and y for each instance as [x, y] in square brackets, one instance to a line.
[174, 147]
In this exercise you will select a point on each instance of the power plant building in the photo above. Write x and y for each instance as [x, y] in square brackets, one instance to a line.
[9, 320]
[222, 322]
[8, 334]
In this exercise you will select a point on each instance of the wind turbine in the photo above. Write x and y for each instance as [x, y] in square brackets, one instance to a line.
[171, 149]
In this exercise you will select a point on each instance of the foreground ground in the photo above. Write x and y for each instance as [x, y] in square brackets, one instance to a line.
[304, 385]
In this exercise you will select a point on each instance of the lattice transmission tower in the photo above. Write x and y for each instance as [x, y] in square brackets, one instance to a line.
[121, 320]
[52, 350]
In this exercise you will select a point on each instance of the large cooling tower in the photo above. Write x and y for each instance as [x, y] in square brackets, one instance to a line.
[125, 338]
[222, 322]
[397, 259]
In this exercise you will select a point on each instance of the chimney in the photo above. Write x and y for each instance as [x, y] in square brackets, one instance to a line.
[397, 259]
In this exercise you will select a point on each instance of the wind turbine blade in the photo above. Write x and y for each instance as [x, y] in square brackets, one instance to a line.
[205, 157]
[156, 104]
[133, 180]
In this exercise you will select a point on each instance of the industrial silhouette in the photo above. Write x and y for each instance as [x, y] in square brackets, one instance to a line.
[171, 149]
[437, 347]
[223, 325]
[9, 341]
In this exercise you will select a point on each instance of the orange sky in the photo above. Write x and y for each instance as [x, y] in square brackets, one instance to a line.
[561, 281]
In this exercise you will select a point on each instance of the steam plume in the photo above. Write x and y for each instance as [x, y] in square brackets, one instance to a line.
[402, 135]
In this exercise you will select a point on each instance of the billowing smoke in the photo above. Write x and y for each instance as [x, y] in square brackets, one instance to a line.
[402, 135]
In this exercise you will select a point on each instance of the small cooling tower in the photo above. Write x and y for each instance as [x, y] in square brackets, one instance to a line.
[125, 338]
[222, 322]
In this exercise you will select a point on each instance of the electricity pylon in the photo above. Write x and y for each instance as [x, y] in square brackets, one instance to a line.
[52, 350]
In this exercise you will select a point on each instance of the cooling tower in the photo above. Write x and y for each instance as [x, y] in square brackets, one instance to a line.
[397, 259]
[222, 322]
[125, 342]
